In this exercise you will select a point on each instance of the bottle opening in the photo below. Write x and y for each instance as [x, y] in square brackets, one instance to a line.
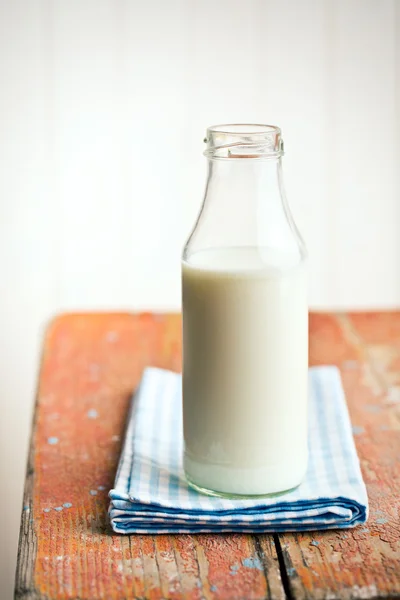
[238, 141]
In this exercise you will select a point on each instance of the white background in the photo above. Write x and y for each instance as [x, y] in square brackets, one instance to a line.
[103, 107]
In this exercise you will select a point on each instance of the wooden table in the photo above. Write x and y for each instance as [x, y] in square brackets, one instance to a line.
[91, 365]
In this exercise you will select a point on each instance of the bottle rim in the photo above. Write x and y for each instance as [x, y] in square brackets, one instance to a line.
[243, 140]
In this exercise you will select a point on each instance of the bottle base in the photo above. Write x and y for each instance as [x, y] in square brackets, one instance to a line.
[230, 481]
[231, 496]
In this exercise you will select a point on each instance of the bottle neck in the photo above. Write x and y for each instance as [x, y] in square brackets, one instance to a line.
[244, 203]
[243, 184]
[245, 194]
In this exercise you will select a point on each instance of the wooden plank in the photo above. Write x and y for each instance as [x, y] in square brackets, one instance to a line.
[91, 365]
[362, 562]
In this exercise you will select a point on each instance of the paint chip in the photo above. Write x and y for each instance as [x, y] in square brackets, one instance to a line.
[92, 413]
[314, 543]
[394, 395]
[235, 567]
[213, 588]
[26, 507]
[101, 488]
[46, 510]
[358, 429]
[94, 372]
[350, 364]
[381, 521]
[52, 441]
[158, 317]
[372, 408]
[93, 492]
[111, 336]
[67, 505]
[58, 508]
[252, 563]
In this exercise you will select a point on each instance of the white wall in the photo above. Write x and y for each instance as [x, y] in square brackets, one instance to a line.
[103, 108]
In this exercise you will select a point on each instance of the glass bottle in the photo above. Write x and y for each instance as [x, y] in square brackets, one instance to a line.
[245, 323]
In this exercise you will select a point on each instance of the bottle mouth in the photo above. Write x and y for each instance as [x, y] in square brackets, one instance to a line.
[238, 141]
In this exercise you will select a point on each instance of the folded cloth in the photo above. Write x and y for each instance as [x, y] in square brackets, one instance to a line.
[152, 496]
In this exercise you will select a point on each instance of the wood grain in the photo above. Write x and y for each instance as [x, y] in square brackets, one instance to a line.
[91, 366]
[362, 562]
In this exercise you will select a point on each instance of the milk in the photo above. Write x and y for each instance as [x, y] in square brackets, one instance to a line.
[245, 335]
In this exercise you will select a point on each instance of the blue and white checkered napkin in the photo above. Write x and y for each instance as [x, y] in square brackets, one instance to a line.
[151, 495]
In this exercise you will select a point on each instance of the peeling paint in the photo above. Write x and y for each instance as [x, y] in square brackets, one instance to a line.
[358, 429]
[393, 396]
[94, 372]
[372, 408]
[253, 562]
[112, 337]
[350, 364]
[367, 591]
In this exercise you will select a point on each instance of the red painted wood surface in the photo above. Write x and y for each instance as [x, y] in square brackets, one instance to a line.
[363, 562]
[91, 366]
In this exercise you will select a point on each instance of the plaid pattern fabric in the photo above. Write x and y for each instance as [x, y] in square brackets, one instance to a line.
[151, 495]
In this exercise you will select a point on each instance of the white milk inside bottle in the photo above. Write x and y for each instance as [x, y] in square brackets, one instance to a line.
[245, 371]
